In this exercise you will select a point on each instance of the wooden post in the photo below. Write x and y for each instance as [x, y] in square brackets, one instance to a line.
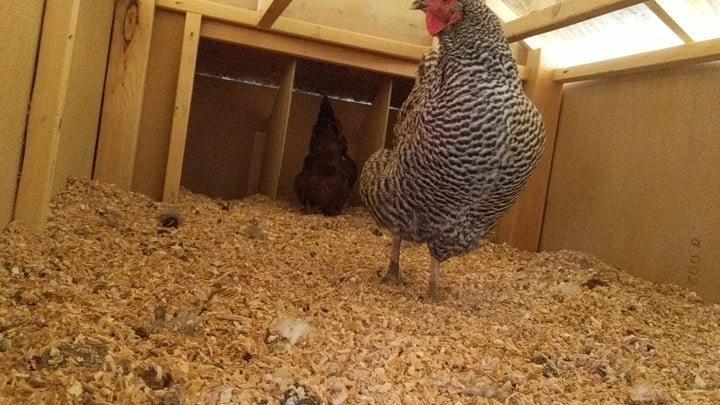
[521, 226]
[275, 145]
[183, 99]
[21, 40]
[45, 120]
[124, 91]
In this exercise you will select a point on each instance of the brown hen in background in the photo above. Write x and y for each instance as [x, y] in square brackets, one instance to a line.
[328, 172]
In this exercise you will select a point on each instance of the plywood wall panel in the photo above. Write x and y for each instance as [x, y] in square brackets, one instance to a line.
[221, 133]
[636, 175]
[76, 151]
[17, 64]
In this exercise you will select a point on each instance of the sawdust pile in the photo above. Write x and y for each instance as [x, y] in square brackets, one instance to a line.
[122, 301]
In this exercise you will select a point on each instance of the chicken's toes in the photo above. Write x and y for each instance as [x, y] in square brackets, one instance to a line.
[393, 278]
[433, 295]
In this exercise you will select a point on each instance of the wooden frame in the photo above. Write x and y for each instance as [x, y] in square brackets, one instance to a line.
[183, 99]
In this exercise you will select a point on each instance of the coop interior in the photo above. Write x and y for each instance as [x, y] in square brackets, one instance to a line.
[116, 111]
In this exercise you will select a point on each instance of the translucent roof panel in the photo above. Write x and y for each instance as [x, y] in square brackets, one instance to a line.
[624, 32]
[632, 30]
[699, 18]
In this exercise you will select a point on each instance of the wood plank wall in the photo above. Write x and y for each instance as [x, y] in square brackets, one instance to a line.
[636, 175]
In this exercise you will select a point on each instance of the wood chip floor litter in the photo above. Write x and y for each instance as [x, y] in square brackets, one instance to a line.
[253, 302]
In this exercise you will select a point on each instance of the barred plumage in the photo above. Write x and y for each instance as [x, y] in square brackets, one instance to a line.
[466, 140]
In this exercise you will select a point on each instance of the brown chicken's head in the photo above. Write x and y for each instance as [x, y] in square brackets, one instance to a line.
[439, 14]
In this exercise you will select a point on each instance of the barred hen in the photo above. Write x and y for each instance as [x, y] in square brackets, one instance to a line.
[466, 141]
[328, 172]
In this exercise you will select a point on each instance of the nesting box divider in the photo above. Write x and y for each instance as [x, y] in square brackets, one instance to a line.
[277, 132]
[183, 98]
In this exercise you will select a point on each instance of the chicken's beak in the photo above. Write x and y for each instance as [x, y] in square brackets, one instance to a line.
[418, 5]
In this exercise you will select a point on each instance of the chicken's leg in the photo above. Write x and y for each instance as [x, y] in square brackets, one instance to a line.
[433, 292]
[393, 271]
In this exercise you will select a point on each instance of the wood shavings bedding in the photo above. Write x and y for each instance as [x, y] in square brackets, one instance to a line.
[108, 306]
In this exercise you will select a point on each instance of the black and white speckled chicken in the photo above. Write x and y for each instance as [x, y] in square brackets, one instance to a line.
[467, 140]
[328, 172]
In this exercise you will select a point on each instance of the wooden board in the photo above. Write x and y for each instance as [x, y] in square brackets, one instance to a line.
[311, 49]
[158, 107]
[46, 111]
[382, 19]
[20, 44]
[635, 175]
[271, 11]
[326, 32]
[521, 226]
[124, 92]
[81, 118]
[277, 132]
[183, 97]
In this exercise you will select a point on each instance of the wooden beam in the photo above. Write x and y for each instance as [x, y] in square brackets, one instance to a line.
[49, 96]
[687, 54]
[521, 226]
[308, 48]
[212, 10]
[21, 42]
[271, 11]
[666, 18]
[561, 15]
[297, 28]
[183, 98]
[275, 144]
[124, 92]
